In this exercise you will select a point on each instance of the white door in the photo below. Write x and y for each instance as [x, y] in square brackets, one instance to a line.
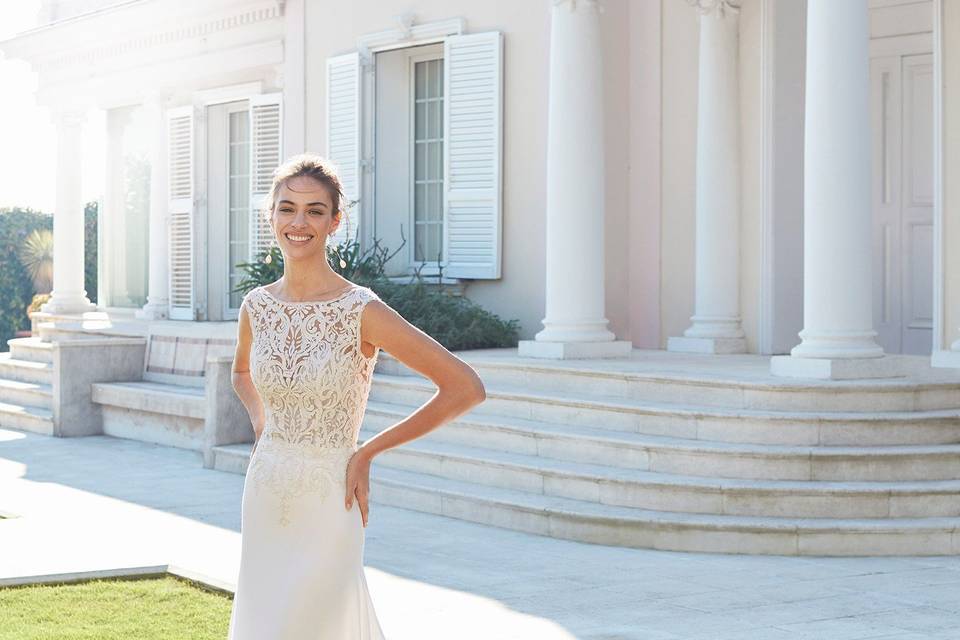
[902, 114]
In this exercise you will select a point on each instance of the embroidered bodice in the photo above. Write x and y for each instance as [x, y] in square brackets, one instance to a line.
[308, 367]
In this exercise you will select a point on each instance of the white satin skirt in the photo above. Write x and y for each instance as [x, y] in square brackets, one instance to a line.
[301, 567]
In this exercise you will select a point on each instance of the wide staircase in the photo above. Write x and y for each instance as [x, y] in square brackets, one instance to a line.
[26, 386]
[680, 452]
[662, 450]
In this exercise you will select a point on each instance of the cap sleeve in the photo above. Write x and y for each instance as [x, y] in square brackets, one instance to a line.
[247, 303]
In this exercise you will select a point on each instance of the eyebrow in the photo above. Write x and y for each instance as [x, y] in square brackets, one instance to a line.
[309, 204]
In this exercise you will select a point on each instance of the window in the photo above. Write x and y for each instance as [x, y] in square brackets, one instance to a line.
[428, 161]
[416, 131]
[238, 205]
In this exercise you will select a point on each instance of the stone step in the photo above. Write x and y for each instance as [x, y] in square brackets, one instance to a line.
[696, 422]
[167, 414]
[671, 492]
[649, 529]
[31, 348]
[731, 381]
[690, 457]
[25, 370]
[26, 418]
[31, 394]
[232, 458]
[75, 329]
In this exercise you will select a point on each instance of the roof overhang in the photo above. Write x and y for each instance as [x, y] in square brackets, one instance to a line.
[117, 55]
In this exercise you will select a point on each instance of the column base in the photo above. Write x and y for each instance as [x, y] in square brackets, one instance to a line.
[945, 359]
[570, 350]
[62, 305]
[837, 368]
[685, 344]
[151, 311]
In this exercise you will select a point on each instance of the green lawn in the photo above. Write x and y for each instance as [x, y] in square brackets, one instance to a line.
[116, 609]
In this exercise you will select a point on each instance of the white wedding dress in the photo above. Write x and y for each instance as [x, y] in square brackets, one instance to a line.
[301, 567]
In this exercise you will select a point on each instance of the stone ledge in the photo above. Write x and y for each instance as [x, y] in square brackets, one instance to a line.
[147, 571]
[152, 397]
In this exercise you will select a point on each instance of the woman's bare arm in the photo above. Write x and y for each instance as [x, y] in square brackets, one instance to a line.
[242, 382]
[459, 388]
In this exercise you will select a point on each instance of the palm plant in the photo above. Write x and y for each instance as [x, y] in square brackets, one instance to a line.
[36, 256]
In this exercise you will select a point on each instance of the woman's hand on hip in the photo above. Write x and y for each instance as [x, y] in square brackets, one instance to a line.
[358, 483]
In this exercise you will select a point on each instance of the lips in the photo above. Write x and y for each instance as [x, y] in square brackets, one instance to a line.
[298, 238]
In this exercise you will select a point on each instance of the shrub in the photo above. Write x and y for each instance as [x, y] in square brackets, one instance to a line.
[456, 322]
[36, 256]
[39, 299]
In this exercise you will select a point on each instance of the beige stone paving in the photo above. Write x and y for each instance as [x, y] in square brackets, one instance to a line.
[102, 504]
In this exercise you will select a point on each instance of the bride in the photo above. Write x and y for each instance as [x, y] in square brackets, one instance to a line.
[306, 348]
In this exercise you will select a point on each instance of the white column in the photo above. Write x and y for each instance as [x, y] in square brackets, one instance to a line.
[716, 321]
[157, 305]
[112, 217]
[575, 326]
[837, 336]
[68, 295]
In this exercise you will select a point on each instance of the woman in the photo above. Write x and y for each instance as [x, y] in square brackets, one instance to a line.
[306, 348]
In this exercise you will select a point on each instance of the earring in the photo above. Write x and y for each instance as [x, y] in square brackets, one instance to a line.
[273, 242]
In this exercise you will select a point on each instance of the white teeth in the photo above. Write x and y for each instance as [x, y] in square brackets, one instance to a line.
[298, 238]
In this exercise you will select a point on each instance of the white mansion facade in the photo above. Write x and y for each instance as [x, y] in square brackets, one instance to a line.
[725, 227]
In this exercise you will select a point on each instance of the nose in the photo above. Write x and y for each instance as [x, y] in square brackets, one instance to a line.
[299, 221]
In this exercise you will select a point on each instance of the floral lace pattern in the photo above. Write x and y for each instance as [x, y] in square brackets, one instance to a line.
[308, 367]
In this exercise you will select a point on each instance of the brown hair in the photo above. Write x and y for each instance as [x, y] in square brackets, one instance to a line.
[313, 166]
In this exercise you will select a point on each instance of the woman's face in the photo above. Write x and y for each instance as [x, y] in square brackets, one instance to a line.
[303, 217]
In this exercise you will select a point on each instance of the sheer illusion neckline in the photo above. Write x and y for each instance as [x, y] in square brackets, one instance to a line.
[308, 302]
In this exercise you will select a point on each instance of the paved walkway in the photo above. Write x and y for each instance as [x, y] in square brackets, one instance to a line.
[107, 504]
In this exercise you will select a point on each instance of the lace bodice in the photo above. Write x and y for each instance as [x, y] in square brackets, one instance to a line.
[313, 378]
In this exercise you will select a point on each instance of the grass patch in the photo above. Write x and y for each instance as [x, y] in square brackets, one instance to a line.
[114, 609]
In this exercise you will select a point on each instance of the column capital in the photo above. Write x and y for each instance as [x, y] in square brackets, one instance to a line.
[577, 5]
[74, 117]
[157, 97]
[719, 8]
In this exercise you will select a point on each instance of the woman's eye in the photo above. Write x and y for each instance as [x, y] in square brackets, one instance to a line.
[316, 211]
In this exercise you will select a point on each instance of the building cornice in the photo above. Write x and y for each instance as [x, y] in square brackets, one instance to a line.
[69, 43]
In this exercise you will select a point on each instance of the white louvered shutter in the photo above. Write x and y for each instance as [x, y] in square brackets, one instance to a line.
[266, 153]
[181, 193]
[472, 126]
[343, 135]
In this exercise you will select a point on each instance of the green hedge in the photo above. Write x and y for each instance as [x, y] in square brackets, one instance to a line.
[16, 287]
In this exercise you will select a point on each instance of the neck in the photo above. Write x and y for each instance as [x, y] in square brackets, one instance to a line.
[302, 279]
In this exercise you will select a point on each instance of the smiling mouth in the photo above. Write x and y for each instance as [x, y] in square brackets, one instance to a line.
[298, 239]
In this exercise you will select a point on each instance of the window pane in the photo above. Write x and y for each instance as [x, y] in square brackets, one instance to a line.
[420, 71]
[420, 126]
[433, 88]
[435, 169]
[438, 203]
[419, 202]
[433, 120]
[433, 232]
[418, 250]
[420, 161]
